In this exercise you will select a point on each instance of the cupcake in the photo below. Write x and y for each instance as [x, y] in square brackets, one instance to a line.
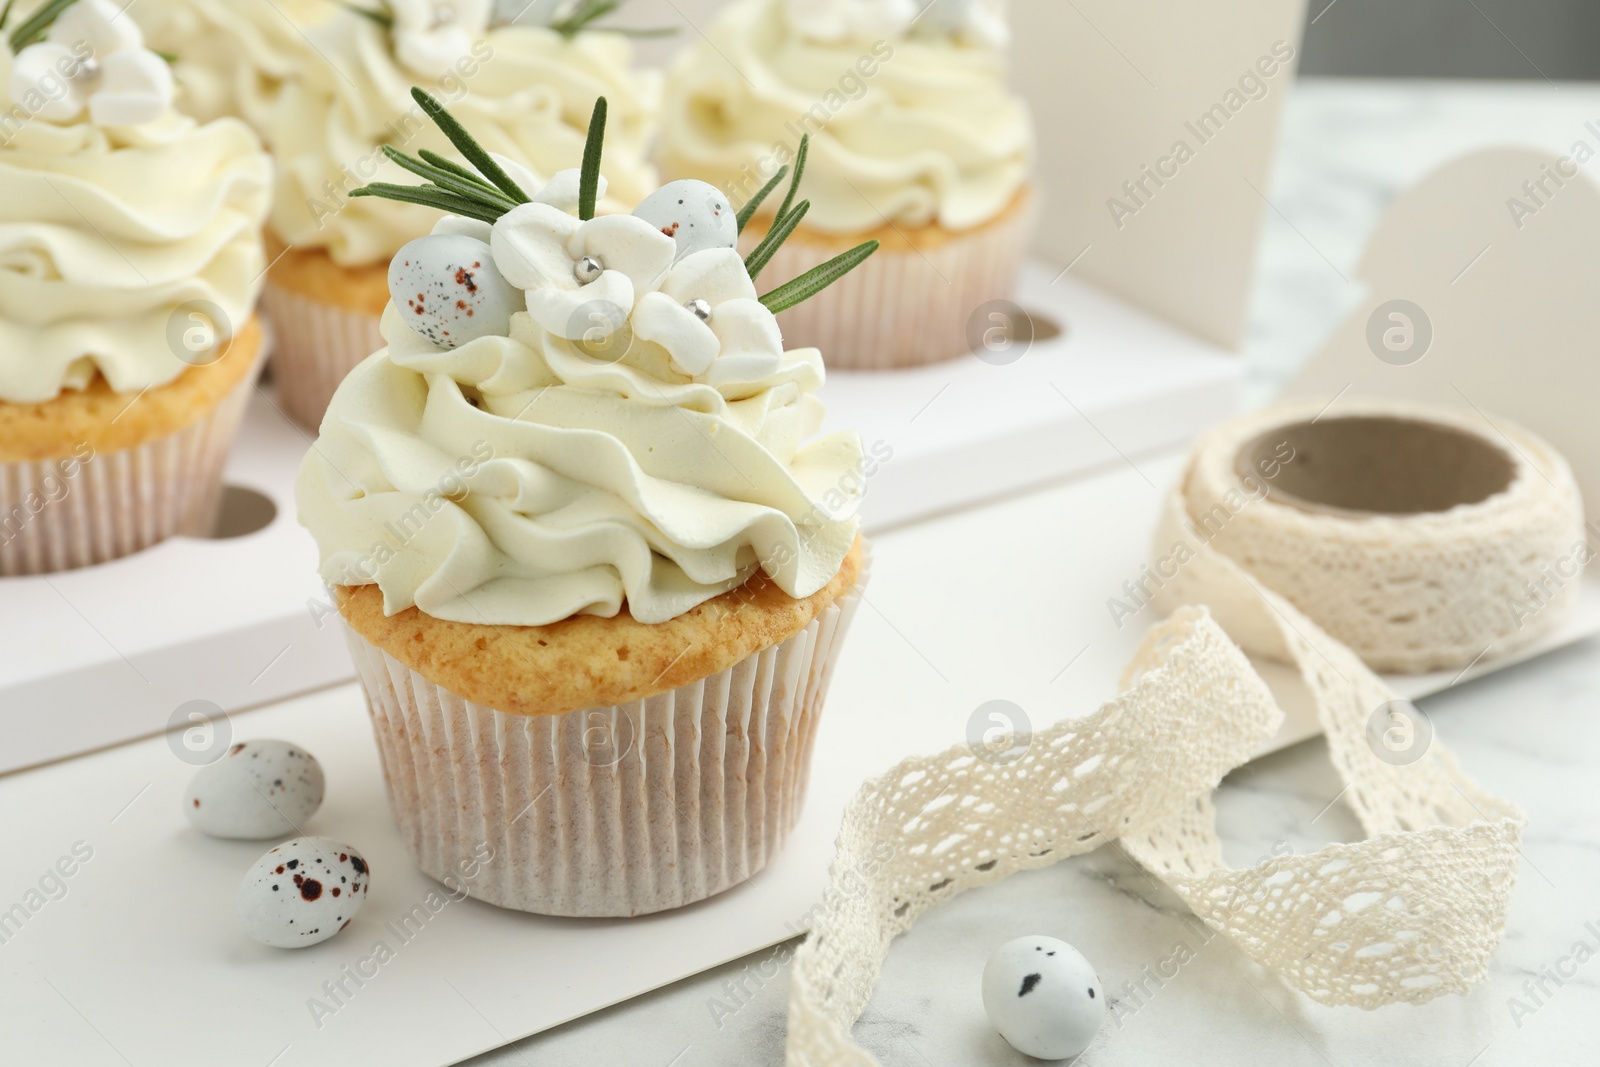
[914, 142]
[526, 89]
[596, 567]
[131, 238]
[232, 57]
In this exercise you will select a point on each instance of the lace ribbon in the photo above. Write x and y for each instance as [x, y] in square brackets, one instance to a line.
[1415, 910]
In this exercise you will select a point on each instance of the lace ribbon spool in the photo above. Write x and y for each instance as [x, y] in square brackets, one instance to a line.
[1412, 532]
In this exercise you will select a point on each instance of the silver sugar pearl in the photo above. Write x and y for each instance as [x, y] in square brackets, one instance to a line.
[701, 309]
[443, 16]
[587, 269]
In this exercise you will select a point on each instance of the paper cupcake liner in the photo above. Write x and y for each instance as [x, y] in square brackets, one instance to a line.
[711, 778]
[62, 513]
[900, 308]
[316, 345]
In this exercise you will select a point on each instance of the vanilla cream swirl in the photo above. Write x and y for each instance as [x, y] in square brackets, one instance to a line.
[524, 92]
[106, 233]
[914, 130]
[518, 481]
[233, 56]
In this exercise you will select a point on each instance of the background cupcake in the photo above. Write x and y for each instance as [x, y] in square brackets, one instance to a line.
[131, 242]
[232, 57]
[915, 142]
[526, 90]
[595, 563]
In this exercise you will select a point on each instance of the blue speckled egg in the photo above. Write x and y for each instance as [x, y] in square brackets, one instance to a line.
[693, 213]
[256, 789]
[448, 289]
[1043, 997]
[302, 892]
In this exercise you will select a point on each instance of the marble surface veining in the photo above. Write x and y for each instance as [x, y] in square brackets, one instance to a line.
[1531, 733]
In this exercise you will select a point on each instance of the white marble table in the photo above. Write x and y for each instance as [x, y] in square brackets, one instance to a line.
[1531, 733]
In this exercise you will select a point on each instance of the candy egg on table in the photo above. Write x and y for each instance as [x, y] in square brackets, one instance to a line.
[302, 892]
[693, 213]
[256, 789]
[1043, 997]
[448, 289]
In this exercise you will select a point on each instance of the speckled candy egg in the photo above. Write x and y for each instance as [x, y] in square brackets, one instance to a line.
[256, 789]
[302, 892]
[1043, 997]
[693, 213]
[448, 290]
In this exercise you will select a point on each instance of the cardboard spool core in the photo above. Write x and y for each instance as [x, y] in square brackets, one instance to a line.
[1379, 465]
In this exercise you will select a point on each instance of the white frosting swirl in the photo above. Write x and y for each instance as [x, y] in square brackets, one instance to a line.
[524, 92]
[106, 232]
[910, 130]
[233, 56]
[518, 481]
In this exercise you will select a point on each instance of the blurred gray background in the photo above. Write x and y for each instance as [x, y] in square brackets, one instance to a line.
[1540, 39]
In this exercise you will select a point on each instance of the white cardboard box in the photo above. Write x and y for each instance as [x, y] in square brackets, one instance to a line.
[141, 957]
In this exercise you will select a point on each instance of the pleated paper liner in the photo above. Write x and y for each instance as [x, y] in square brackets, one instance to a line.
[615, 811]
[912, 302]
[62, 513]
[317, 344]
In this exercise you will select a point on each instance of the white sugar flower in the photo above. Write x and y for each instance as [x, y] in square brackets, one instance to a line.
[569, 268]
[846, 20]
[92, 57]
[431, 36]
[981, 22]
[531, 12]
[706, 312]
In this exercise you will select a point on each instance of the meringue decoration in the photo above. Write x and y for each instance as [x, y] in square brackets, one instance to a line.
[979, 22]
[431, 36]
[540, 248]
[714, 280]
[88, 59]
[852, 20]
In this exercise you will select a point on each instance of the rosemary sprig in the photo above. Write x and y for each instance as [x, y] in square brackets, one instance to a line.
[34, 28]
[748, 212]
[787, 218]
[467, 146]
[383, 14]
[794, 183]
[449, 181]
[762, 253]
[589, 174]
[817, 279]
[434, 197]
[784, 223]
[585, 12]
[445, 163]
[5, 16]
[485, 192]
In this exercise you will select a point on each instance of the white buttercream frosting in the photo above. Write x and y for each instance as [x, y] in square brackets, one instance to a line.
[911, 128]
[517, 480]
[524, 91]
[573, 415]
[107, 232]
[232, 57]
